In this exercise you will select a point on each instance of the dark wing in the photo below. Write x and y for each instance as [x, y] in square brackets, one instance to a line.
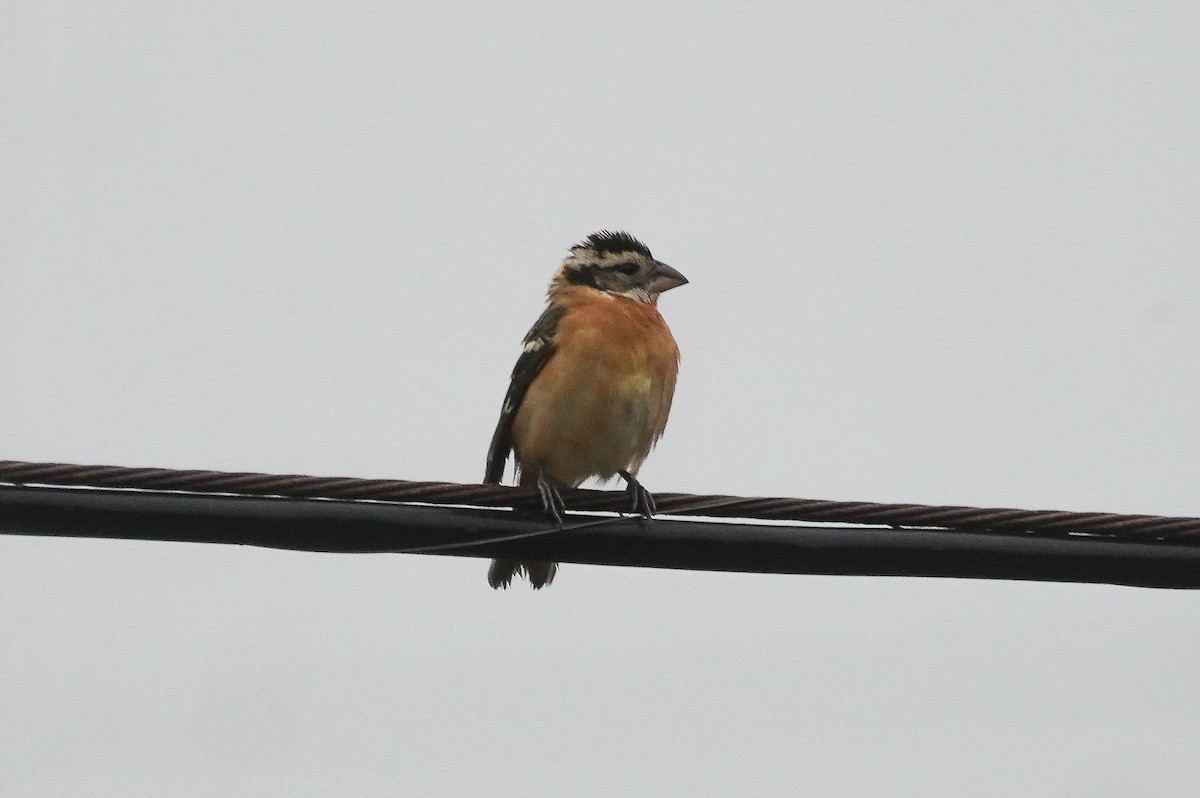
[539, 346]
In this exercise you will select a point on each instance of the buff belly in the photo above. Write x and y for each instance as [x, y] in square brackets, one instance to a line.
[574, 429]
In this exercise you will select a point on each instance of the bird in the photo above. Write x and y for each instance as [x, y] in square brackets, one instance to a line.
[592, 388]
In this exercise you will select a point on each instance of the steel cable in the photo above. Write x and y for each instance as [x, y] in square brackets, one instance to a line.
[1054, 523]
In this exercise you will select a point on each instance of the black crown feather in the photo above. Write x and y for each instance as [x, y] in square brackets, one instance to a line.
[609, 241]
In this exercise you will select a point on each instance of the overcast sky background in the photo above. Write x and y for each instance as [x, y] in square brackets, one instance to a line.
[938, 253]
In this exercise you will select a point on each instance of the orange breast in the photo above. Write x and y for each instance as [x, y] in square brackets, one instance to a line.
[602, 400]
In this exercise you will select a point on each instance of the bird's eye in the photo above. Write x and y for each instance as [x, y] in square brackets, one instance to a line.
[627, 268]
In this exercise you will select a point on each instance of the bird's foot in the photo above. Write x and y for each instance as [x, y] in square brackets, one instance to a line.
[643, 500]
[552, 500]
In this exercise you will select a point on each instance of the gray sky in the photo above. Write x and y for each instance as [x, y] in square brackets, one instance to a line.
[939, 253]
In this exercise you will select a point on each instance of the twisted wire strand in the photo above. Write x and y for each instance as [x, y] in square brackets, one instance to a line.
[1042, 522]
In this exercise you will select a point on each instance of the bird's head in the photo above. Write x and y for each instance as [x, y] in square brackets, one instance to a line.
[617, 263]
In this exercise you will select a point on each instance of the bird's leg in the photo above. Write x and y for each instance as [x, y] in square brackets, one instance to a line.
[643, 501]
[552, 500]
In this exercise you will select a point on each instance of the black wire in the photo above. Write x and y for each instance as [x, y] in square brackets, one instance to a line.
[466, 544]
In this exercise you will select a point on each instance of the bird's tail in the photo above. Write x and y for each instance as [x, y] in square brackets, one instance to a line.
[540, 573]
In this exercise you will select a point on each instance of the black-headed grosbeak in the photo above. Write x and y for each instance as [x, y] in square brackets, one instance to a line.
[592, 388]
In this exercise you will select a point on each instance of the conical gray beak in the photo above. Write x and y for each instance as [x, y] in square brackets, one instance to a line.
[664, 278]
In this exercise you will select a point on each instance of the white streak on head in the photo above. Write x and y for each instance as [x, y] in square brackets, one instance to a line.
[533, 345]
